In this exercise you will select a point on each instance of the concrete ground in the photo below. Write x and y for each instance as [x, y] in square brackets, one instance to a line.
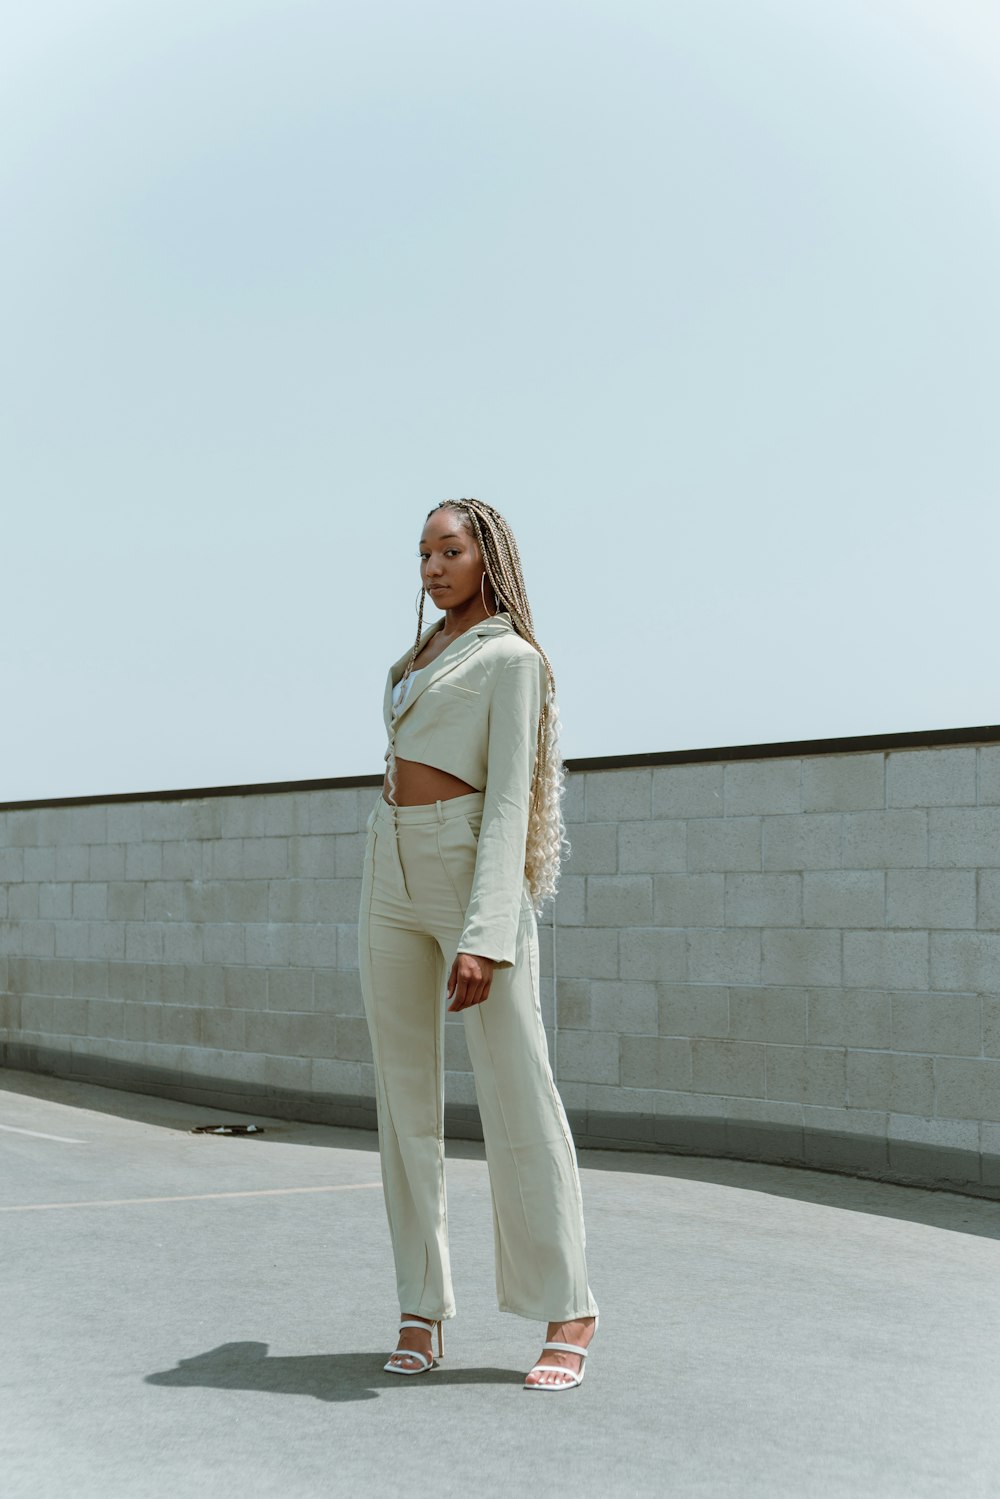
[202, 1315]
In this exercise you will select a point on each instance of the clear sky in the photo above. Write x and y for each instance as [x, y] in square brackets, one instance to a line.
[702, 294]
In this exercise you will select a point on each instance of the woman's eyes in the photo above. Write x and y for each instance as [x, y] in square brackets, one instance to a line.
[449, 552]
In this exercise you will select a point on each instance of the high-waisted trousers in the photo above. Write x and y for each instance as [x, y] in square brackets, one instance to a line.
[418, 869]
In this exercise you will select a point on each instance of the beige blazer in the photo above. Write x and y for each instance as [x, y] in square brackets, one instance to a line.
[474, 713]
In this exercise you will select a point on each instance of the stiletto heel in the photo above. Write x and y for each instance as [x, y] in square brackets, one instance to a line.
[426, 1362]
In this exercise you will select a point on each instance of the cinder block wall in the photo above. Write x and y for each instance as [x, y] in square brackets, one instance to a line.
[793, 958]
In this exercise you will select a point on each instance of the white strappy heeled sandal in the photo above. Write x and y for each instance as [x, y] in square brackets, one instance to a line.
[425, 1362]
[569, 1379]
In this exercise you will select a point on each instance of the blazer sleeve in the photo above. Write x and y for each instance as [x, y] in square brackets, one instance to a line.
[495, 904]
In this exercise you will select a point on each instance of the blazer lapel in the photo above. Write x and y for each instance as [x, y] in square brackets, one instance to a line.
[458, 651]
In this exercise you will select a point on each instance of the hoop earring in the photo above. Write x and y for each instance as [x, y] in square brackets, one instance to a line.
[482, 590]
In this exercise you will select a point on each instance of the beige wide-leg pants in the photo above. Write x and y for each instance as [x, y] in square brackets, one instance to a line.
[418, 869]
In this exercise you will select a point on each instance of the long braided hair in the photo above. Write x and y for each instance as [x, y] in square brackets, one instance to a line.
[546, 840]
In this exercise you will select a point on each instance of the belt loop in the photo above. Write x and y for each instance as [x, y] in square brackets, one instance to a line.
[440, 811]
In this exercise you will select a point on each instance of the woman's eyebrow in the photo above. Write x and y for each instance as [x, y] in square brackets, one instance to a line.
[448, 536]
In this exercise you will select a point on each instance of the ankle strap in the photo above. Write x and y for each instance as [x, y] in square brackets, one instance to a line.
[427, 1327]
[566, 1348]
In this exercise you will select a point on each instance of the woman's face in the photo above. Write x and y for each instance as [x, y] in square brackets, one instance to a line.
[451, 568]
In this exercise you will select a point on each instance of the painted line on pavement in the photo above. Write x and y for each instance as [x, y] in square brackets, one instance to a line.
[65, 1140]
[114, 1202]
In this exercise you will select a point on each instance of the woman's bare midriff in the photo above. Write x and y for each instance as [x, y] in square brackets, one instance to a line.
[417, 784]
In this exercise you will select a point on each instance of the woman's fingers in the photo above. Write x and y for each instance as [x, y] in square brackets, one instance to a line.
[470, 980]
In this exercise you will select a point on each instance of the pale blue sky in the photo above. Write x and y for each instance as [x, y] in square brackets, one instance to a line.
[702, 295]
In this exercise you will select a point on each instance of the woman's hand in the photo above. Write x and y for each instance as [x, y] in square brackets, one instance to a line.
[469, 981]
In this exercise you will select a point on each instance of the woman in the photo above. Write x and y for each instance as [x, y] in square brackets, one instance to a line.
[463, 846]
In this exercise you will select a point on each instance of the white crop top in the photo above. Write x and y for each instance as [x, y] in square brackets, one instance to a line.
[401, 691]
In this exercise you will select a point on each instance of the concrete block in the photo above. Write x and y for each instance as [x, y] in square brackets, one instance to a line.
[126, 901]
[652, 847]
[69, 1016]
[688, 791]
[294, 900]
[339, 992]
[775, 1015]
[349, 854]
[107, 861]
[989, 774]
[963, 960]
[23, 902]
[143, 942]
[886, 1080]
[693, 1010]
[619, 795]
[35, 1013]
[585, 954]
[574, 800]
[312, 857]
[186, 860]
[266, 944]
[204, 984]
[38, 863]
[24, 827]
[650, 953]
[243, 816]
[182, 942]
[723, 957]
[264, 858]
[340, 809]
[347, 945]
[24, 974]
[90, 980]
[229, 942]
[290, 989]
[964, 837]
[594, 848]
[656, 1062]
[843, 897]
[988, 902]
[338, 900]
[729, 1068]
[573, 997]
[763, 900]
[724, 843]
[843, 783]
[223, 860]
[808, 840]
[337, 1079]
[353, 1039]
[165, 900]
[126, 980]
[619, 900]
[807, 1074]
[887, 960]
[682, 900]
[55, 975]
[313, 945]
[164, 983]
[292, 1034]
[800, 956]
[90, 901]
[571, 902]
[143, 861]
[123, 822]
[752, 786]
[38, 939]
[931, 777]
[589, 1057]
[942, 1024]
[967, 1088]
[991, 1024]
[105, 1017]
[245, 900]
[72, 862]
[12, 865]
[287, 812]
[931, 898]
[624, 1007]
[860, 1018]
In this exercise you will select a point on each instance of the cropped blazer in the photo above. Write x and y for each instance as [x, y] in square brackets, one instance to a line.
[475, 714]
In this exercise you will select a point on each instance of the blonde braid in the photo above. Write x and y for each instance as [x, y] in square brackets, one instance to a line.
[546, 841]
